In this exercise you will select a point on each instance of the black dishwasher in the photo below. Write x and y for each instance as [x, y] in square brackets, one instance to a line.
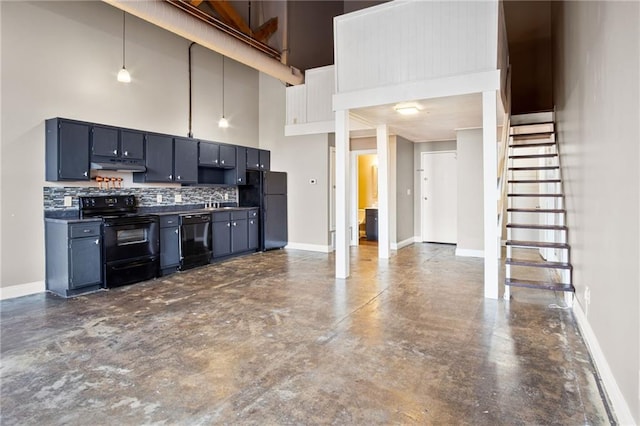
[195, 240]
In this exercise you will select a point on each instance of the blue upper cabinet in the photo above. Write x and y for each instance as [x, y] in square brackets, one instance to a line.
[67, 150]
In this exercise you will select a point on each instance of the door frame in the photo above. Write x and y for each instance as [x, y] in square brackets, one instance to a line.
[353, 204]
[422, 189]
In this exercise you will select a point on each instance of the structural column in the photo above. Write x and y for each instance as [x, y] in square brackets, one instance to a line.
[490, 171]
[342, 194]
[382, 138]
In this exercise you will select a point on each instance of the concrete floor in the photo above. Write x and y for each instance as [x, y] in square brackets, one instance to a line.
[273, 338]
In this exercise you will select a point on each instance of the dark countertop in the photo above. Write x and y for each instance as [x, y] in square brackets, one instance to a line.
[72, 216]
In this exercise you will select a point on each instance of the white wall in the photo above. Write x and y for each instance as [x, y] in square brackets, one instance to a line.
[597, 75]
[373, 51]
[303, 158]
[470, 192]
[61, 59]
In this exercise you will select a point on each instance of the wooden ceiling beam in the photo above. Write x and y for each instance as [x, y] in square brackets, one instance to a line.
[266, 30]
[196, 3]
[229, 15]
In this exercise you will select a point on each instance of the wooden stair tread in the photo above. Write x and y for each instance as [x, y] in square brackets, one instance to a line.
[534, 168]
[537, 226]
[518, 210]
[523, 157]
[534, 181]
[538, 264]
[535, 195]
[543, 285]
[540, 123]
[531, 145]
[532, 135]
[538, 244]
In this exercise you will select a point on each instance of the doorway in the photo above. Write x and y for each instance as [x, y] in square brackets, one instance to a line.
[439, 197]
[364, 197]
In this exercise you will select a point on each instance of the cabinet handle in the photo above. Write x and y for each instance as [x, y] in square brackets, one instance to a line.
[176, 231]
[126, 153]
[85, 174]
[170, 176]
[228, 225]
[262, 166]
[97, 241]
[235, 224]
[239, 179]
[86, 230]
[222, 161]
[115, 152]
[251, 222]
[215, 161]
[169, 221]
[178, 177]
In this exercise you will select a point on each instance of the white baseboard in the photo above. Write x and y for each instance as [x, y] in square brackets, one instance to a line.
[417, 239]
[469, 252]
[21, 290]
[309, 247]
[620, 407]
[402, 244]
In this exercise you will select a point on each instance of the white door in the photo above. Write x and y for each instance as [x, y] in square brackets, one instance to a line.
[439, 197]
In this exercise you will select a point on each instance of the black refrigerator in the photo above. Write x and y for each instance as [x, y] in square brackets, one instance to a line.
[267, 190]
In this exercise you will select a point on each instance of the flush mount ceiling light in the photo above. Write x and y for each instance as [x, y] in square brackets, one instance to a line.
[406, 109]
[123, 74]
[223, 123]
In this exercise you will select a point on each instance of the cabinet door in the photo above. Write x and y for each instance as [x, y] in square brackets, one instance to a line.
[159, 159]
[169, 247]
[227, 156]
[73, 151]
[265, 160]
[208, 154]
[254, 236]
[221, 238]
[253, 159]
[85, 263]
[104, 141]
[241, 165]
[132, 145]
[239, 236]
[185, 160]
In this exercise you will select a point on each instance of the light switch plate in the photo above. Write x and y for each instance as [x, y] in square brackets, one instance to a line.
[68, 201]
[159, 198]
[178, 198]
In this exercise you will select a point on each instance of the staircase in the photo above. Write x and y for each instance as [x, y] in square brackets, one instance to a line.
[538, 255]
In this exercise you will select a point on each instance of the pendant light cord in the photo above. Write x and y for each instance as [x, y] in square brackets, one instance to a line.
[124, 16]
[223, 86]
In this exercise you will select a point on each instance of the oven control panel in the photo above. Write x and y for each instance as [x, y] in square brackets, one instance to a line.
[107, 204]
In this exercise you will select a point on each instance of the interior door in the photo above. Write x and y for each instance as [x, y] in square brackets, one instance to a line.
[439, 197]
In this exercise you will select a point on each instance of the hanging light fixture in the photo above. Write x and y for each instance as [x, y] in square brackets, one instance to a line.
[223, 123]
[123, 74]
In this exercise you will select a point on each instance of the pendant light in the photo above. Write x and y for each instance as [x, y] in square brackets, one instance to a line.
[123, 74]
[223, 123]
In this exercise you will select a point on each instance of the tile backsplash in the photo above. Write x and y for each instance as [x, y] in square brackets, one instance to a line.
[146, 197]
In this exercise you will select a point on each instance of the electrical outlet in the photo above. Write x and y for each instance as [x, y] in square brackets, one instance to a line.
[226, 196]
[178, 198]
[587, 295]
[68, 201]
[159, 198]
[408, 191]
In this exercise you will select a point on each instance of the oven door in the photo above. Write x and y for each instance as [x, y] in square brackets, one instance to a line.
[131, 238]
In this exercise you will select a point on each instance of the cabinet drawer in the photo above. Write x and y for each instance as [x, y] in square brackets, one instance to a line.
[167, 221]
[78, 230]
[221, 216]
[239, 215]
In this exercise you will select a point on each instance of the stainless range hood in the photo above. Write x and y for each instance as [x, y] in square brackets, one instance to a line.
[118, 166]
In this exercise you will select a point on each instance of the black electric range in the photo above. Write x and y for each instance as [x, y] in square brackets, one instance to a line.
[131, 241]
